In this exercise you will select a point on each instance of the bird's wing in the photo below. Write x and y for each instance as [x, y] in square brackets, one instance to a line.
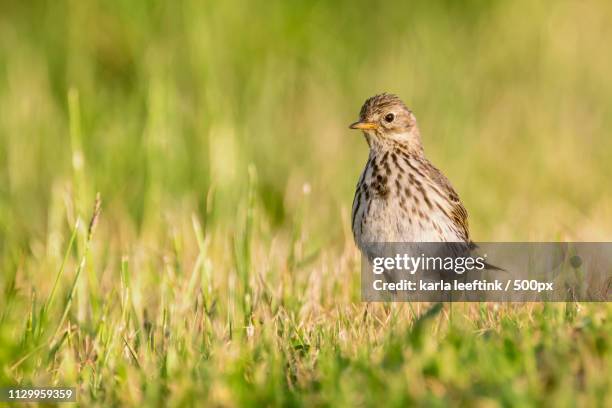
[457, 210]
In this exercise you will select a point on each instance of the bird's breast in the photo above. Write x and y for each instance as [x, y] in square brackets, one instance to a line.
[395, 204]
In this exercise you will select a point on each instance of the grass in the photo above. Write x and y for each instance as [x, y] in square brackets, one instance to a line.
[220, 268]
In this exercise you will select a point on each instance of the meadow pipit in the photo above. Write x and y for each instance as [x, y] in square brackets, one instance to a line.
[401, 196]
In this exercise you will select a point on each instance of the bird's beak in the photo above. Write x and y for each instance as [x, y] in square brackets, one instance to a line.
[363, 125]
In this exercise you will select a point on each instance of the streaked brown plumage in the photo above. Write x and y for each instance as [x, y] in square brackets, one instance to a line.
[401, 196]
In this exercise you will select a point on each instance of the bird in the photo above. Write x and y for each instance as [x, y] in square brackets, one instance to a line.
[400, 195]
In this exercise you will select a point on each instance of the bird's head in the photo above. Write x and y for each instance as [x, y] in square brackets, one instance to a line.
[386, 120]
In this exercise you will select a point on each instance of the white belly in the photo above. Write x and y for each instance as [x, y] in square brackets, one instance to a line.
[388, 222]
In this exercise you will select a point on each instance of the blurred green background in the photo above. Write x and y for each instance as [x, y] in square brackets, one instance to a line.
[513, 100]
[223, 268]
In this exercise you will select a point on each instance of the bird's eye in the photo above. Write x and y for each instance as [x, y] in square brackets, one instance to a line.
[389, 117]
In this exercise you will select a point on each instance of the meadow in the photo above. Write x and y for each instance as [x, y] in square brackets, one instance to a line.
[217, 267]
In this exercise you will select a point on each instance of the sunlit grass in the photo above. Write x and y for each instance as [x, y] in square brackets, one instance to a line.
[222, 268]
